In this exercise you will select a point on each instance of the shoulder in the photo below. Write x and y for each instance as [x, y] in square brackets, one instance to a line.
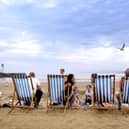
[68, 84]
[36, 81]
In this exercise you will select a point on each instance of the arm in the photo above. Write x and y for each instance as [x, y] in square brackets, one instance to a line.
[121, 84]
[78, 98]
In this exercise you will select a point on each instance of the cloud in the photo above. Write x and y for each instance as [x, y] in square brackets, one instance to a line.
[54, 33]
[36, 3]
[22, 44]
[15, 2]
[30, 48]
[105, 58]
[22, 48]
[3, 44]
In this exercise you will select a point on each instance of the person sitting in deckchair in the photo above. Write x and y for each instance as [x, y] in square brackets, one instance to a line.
[37, 89]
[125, 76]
[92, 78]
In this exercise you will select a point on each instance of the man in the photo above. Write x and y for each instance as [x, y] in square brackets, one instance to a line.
[125, 75]
[62, 71]
[37, 89]
[118, 96]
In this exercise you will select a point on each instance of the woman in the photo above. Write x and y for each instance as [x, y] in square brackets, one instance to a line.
[69, 84]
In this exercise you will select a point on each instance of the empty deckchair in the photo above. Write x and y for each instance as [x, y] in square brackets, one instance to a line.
[56, 87]
[23, 91]
[125, 95]
[104, 91]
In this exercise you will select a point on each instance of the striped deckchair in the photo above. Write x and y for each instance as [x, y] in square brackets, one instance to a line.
[56, 87]
[125, 94]
[23, 91]
[104, 91]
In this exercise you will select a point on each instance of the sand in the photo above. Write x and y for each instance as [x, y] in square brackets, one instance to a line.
[56, 119]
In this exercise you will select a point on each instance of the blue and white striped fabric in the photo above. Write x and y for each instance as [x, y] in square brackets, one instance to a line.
[23, 88]
[104, 88]
[56, 85]
[126, 92]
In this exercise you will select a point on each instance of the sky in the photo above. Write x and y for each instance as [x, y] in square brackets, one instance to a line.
[78, 35]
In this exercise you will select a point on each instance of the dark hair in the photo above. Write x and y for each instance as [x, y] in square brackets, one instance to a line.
[89, 86]
[32, 74]
[126, 72]
[62, 69]
[69, 78]
[94, 75]
[75, 88]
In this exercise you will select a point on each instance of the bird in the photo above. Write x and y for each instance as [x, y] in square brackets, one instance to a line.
[122, 47]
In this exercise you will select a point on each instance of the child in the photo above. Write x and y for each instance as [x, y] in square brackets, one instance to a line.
[76, 101]
[88, 95]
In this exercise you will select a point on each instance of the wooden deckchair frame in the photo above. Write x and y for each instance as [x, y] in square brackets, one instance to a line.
[16, 97]
[94, 93]
[49, 102]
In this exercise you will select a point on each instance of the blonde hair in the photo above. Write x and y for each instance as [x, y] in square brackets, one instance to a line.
[88, 86]
[75, 88]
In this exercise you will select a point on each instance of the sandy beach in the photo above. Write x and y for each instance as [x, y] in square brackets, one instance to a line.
[72, 119]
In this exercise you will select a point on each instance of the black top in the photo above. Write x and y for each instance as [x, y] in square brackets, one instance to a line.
[68, 90]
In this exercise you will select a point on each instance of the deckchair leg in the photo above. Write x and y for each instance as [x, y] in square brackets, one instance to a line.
[93, 97]
[47, 105]
[28, 110]
[13, 106]
[11, 109]
[119, 102]
[47, 108]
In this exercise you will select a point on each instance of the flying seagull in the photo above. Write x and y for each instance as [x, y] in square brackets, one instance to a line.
[122, 47]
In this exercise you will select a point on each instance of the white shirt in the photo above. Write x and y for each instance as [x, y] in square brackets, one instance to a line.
[36, 83]
[89, 94]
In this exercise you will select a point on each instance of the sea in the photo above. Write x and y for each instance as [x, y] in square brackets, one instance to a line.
[83, 77]
[80, 77]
